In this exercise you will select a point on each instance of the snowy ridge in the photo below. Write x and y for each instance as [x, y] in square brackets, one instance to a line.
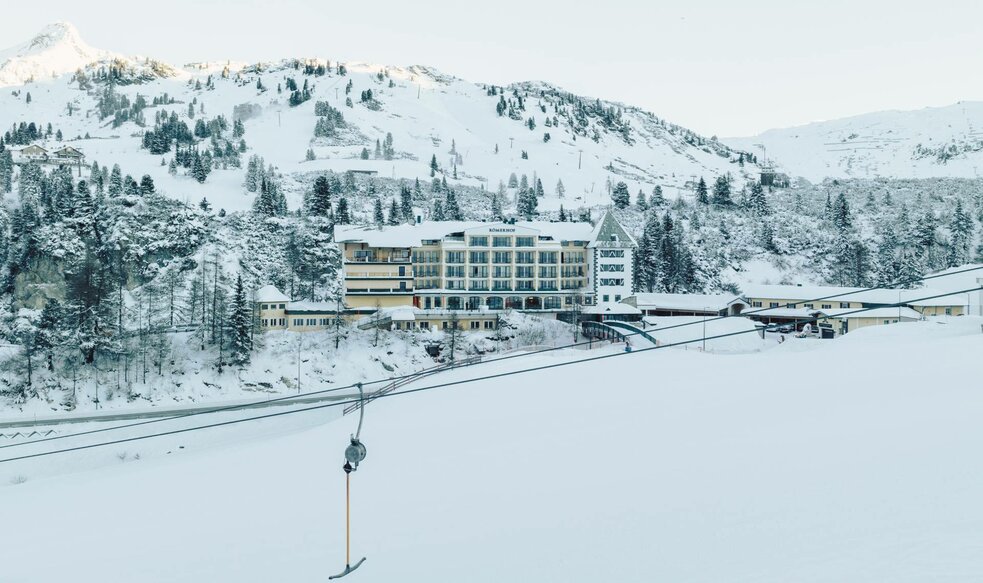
[56, 50]
[924, 143]
[595, 144]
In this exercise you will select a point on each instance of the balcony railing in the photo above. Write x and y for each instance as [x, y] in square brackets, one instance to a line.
[379, 290]
[394, 258]
[377, 275]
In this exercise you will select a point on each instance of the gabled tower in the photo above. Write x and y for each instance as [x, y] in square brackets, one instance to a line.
[611, 260]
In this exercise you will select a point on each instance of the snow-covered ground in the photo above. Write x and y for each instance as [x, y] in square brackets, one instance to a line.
[847, 460]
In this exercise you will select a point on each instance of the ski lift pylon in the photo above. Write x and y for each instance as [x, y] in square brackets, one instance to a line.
[354, 453]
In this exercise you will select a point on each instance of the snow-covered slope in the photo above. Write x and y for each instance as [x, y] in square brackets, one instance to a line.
[429, 114]
[658, 466]
[930, 142]
[56, 50]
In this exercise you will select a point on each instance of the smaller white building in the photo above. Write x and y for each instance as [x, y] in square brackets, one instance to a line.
[611, 260]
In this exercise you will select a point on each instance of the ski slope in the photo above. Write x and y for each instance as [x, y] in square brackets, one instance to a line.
[665, 465]
[428, 113]
[924, 143]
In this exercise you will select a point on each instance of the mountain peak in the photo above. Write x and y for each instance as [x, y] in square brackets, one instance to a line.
[57, 49]
[53, 34]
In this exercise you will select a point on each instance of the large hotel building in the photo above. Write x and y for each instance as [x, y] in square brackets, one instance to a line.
[535, 266]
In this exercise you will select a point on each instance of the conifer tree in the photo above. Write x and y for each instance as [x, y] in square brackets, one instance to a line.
[342, 216]
[621, 196]
[702, 195]
[451, 209]
[240, 320]
[377, 212]
[721, 192]
[393, 214]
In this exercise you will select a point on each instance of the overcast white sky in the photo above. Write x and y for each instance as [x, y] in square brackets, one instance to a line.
[729, 68]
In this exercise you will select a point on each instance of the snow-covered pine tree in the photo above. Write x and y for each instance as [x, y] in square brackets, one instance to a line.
[240, 322]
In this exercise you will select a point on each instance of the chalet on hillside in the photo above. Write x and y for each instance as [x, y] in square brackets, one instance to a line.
[33, 153]
[68, 155]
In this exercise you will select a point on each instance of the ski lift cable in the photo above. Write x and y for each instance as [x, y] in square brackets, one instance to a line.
[451, 383]
[287, 398]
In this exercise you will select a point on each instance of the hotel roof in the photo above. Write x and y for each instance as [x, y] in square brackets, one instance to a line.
[413, 235]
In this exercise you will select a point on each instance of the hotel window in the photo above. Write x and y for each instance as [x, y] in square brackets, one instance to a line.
[502, 257]
[455, 284]
[612, 252]
[282, 306]
[282, 320]
[298, 321]
[475, 325]
[773, 304]
[810, 306]
[887, 321]
[755, 304]
[523, 285]
[264, 307]
[612, 267]
[489, 325]
[547, 256]
[948, 311]
[790, 305]
[844, 304]
[479, 257]
[612, 282]
[524, 257]
[524, 241]
[827, 306]
[455, 271]
[263, 322]
[501, 241]
[502, 271]
[502, 285]
[547, 285]
[479, 241]
[605, 298]
[524, 271]
[455, 257]
[479, 271]
[424, 325]
[617, 298]
[547, 271]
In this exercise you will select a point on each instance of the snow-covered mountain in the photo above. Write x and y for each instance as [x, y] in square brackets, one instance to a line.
[56, 50]
[925, 143]
[479, 134]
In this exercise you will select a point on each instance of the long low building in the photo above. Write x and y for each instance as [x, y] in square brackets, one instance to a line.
[838, 308]
[664, 304]
[937, 303]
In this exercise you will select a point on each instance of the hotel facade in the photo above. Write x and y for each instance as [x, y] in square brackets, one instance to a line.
[451, 265]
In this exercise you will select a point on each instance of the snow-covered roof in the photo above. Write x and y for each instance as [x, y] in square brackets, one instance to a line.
[306, 306]
[412, 235]
[610, 232]
[612, 308]
[804, 313]
[684, 302]
[269, 293]
[817, 293]
[903, 313]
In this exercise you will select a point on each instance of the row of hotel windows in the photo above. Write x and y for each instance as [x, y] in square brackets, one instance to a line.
[480, 241]
[505, 271]
[499, 284]
[473, 325]
[794, 305]
[607, 253]
[272, 306]
[500, 257]
[499, 303]
[611, 282]
[296, 321]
